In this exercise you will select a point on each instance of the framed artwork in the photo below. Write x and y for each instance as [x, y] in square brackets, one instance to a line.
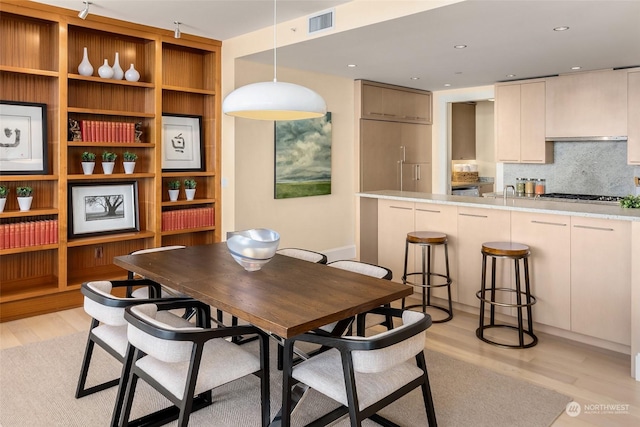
[303, 157]
[105, 208]
[23, 143]
[182, 148]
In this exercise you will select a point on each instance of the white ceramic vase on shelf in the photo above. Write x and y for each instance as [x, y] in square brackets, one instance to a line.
[85, 68]
[132, 75]
[107, 167]
[190, 193]
[118, 72]
[3, 201]
[129, 167]
[105, 71]
[25, 203]
[87, 167]
[173, 195]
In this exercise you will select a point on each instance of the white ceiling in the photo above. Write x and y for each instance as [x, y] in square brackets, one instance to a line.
[503, 37]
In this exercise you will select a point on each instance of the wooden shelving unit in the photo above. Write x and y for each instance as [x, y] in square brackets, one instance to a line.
[40, 50]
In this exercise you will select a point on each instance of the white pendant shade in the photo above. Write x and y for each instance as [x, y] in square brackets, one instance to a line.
[274, 101]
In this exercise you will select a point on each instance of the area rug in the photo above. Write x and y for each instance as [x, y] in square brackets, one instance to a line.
[38, 381]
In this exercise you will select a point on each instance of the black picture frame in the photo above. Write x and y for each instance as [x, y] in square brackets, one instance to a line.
[86, 199]
[23, 138]
[182, 143]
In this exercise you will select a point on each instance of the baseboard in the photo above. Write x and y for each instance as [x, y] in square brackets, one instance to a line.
[345, 252]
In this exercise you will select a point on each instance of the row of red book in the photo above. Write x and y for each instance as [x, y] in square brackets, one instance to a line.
[31, 233]
[188, 218]
[97, 131]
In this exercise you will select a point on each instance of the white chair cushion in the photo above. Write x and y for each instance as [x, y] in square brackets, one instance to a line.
[143, 293]
[360, 267]
[301, 254]
[221, 363]
[324, 373]
[109, 315]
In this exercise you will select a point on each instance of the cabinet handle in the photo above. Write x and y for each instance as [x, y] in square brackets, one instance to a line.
[427, 210]
[372, 113]
[477, 216]
[418, 170]
[594, 228]
[400, 207]
[548, 223]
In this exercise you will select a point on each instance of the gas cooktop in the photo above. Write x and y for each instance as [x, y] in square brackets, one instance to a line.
[567, 197]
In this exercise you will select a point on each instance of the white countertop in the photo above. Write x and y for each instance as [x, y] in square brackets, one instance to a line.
[518, 204]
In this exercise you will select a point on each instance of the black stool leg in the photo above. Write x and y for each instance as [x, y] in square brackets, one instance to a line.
[426, 279]
[446, 263]
[404, 275]
[528, 291]
[483, 289]
[519, 304]
[492, 308]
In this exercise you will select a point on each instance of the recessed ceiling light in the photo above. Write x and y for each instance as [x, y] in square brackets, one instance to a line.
[414, 78]
[511, 75]
[576, 68]
[491, 99]
[352, 65]
[447, 84]
[460, 46]
[562, 28]
[458, 72]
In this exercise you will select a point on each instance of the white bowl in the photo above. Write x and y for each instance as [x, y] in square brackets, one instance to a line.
[253, 248]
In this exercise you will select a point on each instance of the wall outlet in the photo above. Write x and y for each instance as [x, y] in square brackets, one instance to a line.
[636, 179]
[98, 252]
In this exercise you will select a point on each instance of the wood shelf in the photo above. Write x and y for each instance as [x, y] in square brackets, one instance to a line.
[96, 240]
[188, 174]
[188, 90]
[110, 81]
[111, 144]
[13, 178]
[188, 202]
[114, 176]
[188, 230]
[31, 212]
[30, 71]
[29, 249]
[110, 112]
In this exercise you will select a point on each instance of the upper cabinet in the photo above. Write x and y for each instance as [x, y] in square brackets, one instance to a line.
[463, 131]
[394, 103]
[633, 118]
[587, 104]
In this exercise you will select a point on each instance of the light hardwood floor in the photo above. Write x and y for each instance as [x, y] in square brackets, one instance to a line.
[590, 375]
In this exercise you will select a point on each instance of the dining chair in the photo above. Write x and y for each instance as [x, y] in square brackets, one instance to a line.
[186, 364]
[363, 374]
[108, 328]
[143, 291]
[304, 254]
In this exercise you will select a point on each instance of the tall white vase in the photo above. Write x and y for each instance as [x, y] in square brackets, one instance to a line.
[118, 72]
[132, 74]
[85, 68]
[105, 71]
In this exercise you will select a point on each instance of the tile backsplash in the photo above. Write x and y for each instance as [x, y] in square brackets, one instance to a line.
[582, 167]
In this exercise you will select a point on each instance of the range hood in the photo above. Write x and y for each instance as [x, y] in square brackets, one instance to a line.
[584, 138]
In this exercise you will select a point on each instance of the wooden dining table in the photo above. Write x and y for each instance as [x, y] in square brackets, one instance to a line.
[286, 297]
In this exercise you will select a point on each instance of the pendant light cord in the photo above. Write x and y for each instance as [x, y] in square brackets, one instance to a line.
[275, 60]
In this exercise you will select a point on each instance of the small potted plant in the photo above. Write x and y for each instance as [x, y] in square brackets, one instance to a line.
[129, 162]
[190, 188]
[24, 198]
[4, 191]
[174, 190]
[88, 162]
[108, 162]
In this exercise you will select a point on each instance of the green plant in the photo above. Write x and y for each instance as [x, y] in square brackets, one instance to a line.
[630, 201]
[190, 183]
[108, 156]
[88, 157]
[24, 191]
[129, 156]
[4, 190]
[174, 185]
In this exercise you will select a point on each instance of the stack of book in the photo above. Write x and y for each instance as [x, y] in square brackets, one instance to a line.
[97, 131]
[188, 218]
[29, 233]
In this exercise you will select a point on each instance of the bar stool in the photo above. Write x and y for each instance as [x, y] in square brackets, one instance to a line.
[516, 252]
[428, 240]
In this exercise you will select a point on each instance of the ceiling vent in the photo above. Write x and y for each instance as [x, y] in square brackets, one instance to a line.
[321, 21]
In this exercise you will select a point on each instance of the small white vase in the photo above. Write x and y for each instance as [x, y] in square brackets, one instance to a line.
[3, 201]
[85, 68]
[105, 71]
[129, 167]
[173, 195]
[118, 72]
[107, 167]
[190, 193]
[25, 203]
[87, 167]
[132, 75]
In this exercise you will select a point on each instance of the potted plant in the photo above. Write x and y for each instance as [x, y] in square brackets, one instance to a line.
[129, 162]
[190, 188]
[108, 162]
[4, 191]
[24, 198]
[174, 190]
[88, 162]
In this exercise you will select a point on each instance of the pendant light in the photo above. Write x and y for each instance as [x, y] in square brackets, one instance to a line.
[274, 100]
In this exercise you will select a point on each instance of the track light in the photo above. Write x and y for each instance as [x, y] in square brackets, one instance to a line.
[176, 32]
[84, 12]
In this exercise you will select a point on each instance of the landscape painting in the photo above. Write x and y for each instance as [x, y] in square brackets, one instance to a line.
[303, 157]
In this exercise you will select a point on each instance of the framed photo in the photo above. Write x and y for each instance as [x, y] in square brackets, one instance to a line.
[182, 148]
[104, 208]
[23, 141]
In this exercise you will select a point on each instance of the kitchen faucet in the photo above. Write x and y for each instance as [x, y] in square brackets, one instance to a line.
[504, 192]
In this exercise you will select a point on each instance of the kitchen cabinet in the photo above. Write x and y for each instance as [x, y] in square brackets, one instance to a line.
[463, 131]
[476, 226]
[395, 220]
[601, 278]
[549, 237]
[520, 123]
[587, 104]
[485, 188]
[633, 118]
[443, 219]
[416, 177]
[394, 103]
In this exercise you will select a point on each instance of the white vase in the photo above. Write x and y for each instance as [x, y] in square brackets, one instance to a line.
[3, 201]
[190, 193]
[118, 72]
[173, 195]
[107, 167]
[132, 74]
[85, 68]
[105, 71]
[87, 167]
[25, 203]
[129, 167]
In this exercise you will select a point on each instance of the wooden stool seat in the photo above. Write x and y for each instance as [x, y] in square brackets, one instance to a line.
[506, 249]
[426, 237]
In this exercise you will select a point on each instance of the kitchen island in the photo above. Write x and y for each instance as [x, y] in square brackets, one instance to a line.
[582, 268]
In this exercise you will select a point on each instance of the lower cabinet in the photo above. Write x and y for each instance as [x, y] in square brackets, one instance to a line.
[601, 278]
[549, 237]
[395, 220]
